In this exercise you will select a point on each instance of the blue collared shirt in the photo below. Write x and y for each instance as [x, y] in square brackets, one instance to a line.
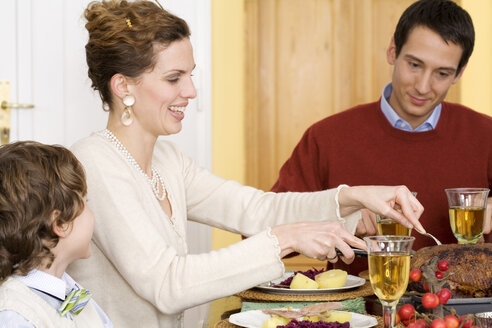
[51, 289]
[397, 122]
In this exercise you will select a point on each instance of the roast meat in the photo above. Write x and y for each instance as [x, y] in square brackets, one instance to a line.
[471, 264]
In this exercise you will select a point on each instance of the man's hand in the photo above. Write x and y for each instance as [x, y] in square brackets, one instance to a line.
[367, 226]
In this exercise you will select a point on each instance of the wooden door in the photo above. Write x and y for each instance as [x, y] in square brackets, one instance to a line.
[308, 59]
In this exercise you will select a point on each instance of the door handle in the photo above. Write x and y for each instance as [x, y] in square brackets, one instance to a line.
[5, 106]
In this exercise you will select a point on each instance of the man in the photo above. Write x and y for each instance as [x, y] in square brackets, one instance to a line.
[409, 136]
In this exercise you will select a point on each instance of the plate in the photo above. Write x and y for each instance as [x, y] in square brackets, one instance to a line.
[256, 318]
[351, 283]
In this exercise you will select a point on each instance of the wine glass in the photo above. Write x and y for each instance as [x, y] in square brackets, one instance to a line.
[389, 268]
[467, 212]
[388, 226]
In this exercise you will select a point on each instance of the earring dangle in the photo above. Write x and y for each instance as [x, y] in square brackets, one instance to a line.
[127, 116]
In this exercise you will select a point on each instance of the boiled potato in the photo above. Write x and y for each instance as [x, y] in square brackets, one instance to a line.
[331, 279]
[339, 316]
[300, 281]
[275, 321]
[313, 318]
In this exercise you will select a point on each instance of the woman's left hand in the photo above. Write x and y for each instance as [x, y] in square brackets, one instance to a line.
[367, 225]
[383, 200]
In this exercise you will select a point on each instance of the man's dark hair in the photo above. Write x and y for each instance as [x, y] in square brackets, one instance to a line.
[445, 18]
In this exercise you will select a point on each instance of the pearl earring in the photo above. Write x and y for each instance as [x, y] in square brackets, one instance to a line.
[127, 116]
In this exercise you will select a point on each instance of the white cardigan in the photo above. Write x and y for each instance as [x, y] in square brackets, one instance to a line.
[140, 270]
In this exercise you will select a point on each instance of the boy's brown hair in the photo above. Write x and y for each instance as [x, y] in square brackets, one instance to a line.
[35, 181]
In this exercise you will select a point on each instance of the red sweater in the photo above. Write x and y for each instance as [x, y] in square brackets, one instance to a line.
[360, 147]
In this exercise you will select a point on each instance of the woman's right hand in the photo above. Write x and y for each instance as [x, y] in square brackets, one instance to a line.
[317, 240]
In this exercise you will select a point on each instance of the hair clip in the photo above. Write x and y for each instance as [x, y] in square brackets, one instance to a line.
[129, 22]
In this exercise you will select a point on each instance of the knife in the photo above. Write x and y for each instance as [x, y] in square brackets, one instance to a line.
[362, 253]
[358, 252]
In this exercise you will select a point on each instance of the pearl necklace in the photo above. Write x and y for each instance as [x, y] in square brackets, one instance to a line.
[156, 182]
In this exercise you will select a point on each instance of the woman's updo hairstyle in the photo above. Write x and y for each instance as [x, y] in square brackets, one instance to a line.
[122, 37]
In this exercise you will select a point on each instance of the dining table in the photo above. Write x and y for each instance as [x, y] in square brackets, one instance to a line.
[358, 300]
[220, 310]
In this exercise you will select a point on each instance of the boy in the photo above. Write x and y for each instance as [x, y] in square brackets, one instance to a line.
[44, 226]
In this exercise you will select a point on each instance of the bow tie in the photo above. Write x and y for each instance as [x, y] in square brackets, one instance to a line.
[75, 301]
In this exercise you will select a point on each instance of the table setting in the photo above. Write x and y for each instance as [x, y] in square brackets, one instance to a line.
[441, 286]
[273, 295]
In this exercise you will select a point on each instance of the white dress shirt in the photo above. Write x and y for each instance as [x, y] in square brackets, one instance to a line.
[398, 123]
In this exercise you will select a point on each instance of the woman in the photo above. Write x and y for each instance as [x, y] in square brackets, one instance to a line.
[142, 192]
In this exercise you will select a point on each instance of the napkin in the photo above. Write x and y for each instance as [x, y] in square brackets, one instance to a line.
[357, 305]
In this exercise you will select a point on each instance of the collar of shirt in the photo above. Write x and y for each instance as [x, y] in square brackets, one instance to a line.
[54, 290]
[48, 284]
[397, 122]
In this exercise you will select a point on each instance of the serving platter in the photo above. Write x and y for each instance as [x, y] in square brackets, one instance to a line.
[351, 283]
[464, 305]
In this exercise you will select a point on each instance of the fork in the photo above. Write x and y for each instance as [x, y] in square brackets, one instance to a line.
[429, 235]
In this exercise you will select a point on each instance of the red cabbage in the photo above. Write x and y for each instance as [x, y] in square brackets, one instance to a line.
[319, 324]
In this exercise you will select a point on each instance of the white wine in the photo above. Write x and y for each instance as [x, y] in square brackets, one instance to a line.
[389, 273]
[390, 227]
[467, 223]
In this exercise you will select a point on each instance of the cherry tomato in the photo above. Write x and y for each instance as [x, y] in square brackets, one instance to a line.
[406, 311]
[387, 319]
[415, 275]
[422, 323]
[443, 265]
[430, 301]
[439, 275]
[451, 321]
[408, 321]
[426, 287]
[444, 295]
[468, 323]
[438, 323]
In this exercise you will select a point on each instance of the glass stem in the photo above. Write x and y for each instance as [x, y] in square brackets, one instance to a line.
[389, 314]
